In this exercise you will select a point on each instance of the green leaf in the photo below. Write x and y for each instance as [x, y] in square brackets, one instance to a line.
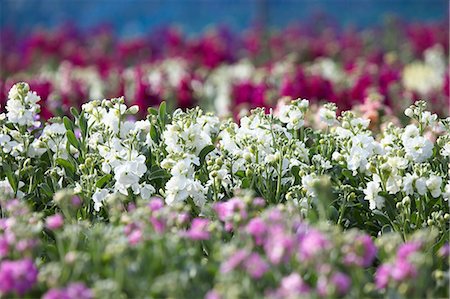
[103, 180]
[162, 113]
[67, 165]
[152, 111]
[83, 125]
[72, 139]
[153, 133]
[11, 177]
[295, 172]
[204, 152]
[159, 174]
[46, 189]
[74, 112]
[381, 217]
[68, 124]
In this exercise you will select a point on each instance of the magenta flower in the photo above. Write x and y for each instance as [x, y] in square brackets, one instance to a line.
[312, 243]
[293, 286]
[75, 290]
[198, 230]
[255, 266]
[54, 222]
[257, 228]
[279, 246]
[382, 276]
[403, 269]
[233, 261]
[362, 252]
[156, 203]
[17, 276]
[341, 282]
[212, 294]
[226, 210]
[405, 250]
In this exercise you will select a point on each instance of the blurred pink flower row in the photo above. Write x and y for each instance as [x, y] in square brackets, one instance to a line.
[226, 72]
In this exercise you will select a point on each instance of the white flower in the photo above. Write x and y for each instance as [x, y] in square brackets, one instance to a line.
[146, 191]
[393, 184]
[434, 185]
[421, 186]
[292, 116]
[446, 193]
[308, 183]
[371, 194]
[408, 182]
[99, 196]
[22, 111]
[327, 116]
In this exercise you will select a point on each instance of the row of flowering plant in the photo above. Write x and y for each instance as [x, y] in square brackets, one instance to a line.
[329, 166]
[226, 72]
[237, 248]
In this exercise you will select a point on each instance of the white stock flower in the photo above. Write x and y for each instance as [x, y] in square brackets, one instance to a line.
[371, 194]
[99, 197]
[434, 185]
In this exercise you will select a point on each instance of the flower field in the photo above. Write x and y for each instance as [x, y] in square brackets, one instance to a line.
[308, 161]
[302, 200]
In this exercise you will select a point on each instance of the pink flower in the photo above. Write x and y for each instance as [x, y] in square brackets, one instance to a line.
[292, 286]
[54, 222]
[382, 276]
[361, 252]
[233, 261]
[257, 228]
[198, 229]
[255, 266]
[17, 276]
[312, 243]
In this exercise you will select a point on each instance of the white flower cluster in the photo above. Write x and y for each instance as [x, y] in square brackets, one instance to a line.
[184, 139]
[22, 107]
[195, 157]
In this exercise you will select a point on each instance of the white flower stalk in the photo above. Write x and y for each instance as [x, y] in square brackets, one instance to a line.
[22, 107]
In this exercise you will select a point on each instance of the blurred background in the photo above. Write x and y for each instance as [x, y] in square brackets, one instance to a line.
[375, 55]
[136, 17]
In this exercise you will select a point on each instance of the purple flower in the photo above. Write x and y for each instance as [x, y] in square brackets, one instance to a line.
[382, 276]
[443, 252]
[259, 202]
[403, 269]
[362, 252]
[198, 229]
[17, 276]
[75, 290]
[76, 201]
[312, 243]
[292, 286]
[54, 222]
[279, 246]
[233, 261]
[257, 228]
[405, 250]
[212, 294]
[226, 210]
[156, 203]
[341, 282]
[255, 266]
[4, 247]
